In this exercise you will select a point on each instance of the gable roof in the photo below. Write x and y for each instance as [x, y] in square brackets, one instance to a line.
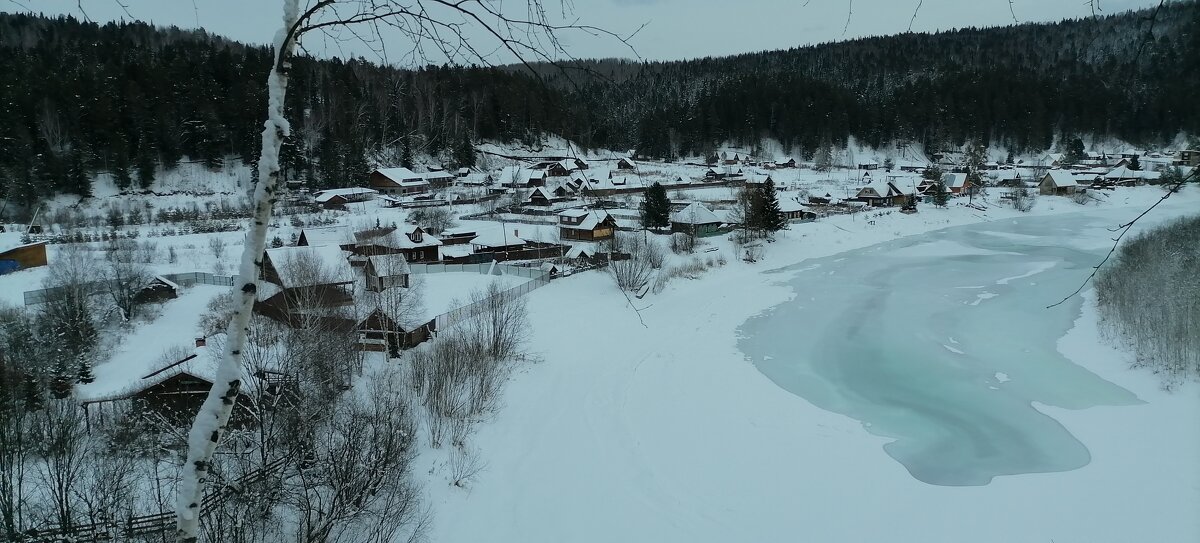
[349, 192]
[1060, 178]
[399, 175]
[591, 219]
[954, 180]
[497, 237]
[334, 266]
[390, 264]
[1124, 172]
[878, 188]
[695, 213]
[327, 235]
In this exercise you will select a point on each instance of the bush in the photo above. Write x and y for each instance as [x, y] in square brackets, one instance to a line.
[1149, 298]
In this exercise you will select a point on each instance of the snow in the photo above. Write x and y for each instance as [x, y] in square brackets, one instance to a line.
[442, 292]
[664, 432]
[138, 353]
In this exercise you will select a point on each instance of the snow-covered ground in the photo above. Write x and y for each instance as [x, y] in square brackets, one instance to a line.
[665, 432]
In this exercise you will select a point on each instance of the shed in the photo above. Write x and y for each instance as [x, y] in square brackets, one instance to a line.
[1058, 182]
[158, 290]
[697, 220]
[386, 271]
[20, 257]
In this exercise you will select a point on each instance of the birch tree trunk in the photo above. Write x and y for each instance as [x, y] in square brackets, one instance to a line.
[218, 406]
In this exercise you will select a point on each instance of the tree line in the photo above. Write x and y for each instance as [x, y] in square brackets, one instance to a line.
[129, 99]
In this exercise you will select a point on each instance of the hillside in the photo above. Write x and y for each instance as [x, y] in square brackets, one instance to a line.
[131, 99]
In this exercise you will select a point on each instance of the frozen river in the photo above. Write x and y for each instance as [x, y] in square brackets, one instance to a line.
[943, 344]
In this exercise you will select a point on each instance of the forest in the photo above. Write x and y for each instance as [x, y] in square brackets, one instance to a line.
[130, 99]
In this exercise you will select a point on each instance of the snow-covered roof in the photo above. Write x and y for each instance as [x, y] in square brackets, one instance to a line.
[7, 248]
[401, 240]
[393, 264]
[327, 235]
[591, 219]
[399, 175]
[538, 191]
[1124, 172]
[878, 188]
[790, 205]
[460, 250]
[334, 268]
[202, 362]
[954, 180]
[581, 250]
[695, 213]
[497, 238]
[1060, 178]
[573, 212]
[349, 192]
[442, 174]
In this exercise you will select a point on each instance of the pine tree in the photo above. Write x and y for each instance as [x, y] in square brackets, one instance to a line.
[34, 399]
[120, 172]
[78, 181]
[941, 196]
[1135, 164]
[769, 216]
[656, 208]
[464, 153]
[85, 372]
[1074, 153]
[62, 380]
[145, 169]
[406, 152]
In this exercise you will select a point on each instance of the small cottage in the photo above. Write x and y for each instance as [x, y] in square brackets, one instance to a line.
[1058, 183]
[585, 225]
[697, 220]
[386, 271]
[399, 182]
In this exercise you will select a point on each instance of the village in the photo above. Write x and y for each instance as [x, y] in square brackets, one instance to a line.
[375, 270]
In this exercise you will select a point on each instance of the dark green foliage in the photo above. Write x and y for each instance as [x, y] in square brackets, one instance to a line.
[187, 93]
[145, 169]
[62, 379]
[85, 372]
[656, 208]
[942, 195]
[768, 217]
[32, 394]
[933, 173]
[78, 180]
[1074, 153]
[1134, 163]
[464, 153]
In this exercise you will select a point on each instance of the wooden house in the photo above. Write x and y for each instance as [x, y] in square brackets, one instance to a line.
[386, 271]
[457, 236]
[339, 198]
[382, 330]
[956, 183]
[157, 290]
[626, 164]
[297, 282]
[399, 182]
[879, 193]
[793, 210]
[786, 162]
[407, 239]
[539, 197]
[585, 225]
[1187, 157]
[1058, 183]
[498, 241]
[438, 179]
[20, 257]
[696, 220]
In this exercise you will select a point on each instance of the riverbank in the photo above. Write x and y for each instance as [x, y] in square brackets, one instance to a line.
[664, 432]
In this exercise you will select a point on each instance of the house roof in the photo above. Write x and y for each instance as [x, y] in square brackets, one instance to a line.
[790, 205]
[326, 195]
[573, 212]
[1060, 178]
[1124, 172]
[695, 213]
[332, 260]
[327, 235]
[591, 219]
[954, 180]
[581, 250]
[881, 189]
[393, 264]
[5, 249]
[399, 175]
[401, 239]
[441, 174]
[497, 238]
[536, 191]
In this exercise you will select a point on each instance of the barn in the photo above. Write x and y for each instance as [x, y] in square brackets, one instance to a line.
[20, 257]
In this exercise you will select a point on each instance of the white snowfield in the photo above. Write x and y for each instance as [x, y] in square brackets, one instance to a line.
[665, 432]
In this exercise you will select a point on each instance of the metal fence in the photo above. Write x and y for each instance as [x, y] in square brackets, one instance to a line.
[537, 279]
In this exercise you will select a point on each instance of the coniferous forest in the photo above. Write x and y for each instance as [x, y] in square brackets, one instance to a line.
[127, 98]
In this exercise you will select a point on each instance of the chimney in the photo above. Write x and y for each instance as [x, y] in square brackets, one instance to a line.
[200, 342]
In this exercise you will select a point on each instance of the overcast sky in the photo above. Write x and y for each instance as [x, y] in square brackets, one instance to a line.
[675, 29]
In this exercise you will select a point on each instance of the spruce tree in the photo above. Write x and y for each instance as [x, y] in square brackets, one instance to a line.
[120, 172]
[464, 153]
[656, 208]
[85, 371]
[61, 380]
[78, 181]
[1135, 164]
[406, 152]
[145, 169]
[769, 217]
[34, 397]
[941, 195]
